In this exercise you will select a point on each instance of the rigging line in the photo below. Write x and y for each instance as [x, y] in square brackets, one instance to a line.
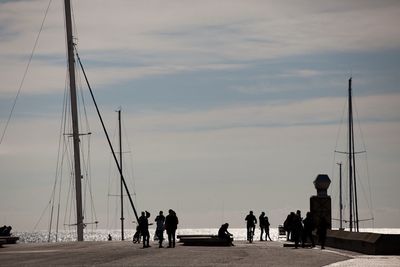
[57, 165]
[93, 209]
[365, 193]
[68, 200]
[109, 179]
[366, 158]
[25, 73]
[63, 118]
[130, 157]
[108, 138]
[369, 187]
[337, 137]
[41, 216]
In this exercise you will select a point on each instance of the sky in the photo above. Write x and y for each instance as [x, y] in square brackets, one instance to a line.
[228, 106]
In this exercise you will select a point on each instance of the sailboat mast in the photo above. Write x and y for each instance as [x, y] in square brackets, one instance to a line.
[120, 165]
[74, 116]
[340, 197]
[350, 159]
[353, 157]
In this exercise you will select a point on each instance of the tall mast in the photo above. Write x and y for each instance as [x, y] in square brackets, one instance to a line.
[120, 165]
[350, 161]
[352, 169]
[74, 116]
[340, 197]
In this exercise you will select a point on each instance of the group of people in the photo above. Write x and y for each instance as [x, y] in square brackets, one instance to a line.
[300, 230]
[5, 230]
[251, 222]
[168, 223]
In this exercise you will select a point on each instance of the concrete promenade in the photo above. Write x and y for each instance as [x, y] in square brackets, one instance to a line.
[117, 253]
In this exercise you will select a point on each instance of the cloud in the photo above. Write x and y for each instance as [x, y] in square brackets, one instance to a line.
[245, 146]
[279, 114]
[169, 37]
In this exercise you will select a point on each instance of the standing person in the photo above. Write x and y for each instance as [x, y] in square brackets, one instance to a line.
[251, 225]
[261, 221]
[297, 228]
[267, 224]
[288, 226]
[171, 224]
[144, 228]
[160, 219]
[321, 231]
[308, 223]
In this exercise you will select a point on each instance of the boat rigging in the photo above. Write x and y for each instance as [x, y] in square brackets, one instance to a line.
[352, 182]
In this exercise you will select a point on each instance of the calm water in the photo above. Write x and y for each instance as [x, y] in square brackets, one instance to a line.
[101, 234]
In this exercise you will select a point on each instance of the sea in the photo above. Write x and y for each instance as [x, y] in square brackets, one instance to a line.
[102, 234]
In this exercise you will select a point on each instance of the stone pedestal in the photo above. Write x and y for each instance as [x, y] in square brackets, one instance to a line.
[320, 205]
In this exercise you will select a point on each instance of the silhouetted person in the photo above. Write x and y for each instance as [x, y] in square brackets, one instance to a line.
[321, 231]
[144, 228]
[251, 225]
[109, 238]
[267, 224]
[224, 234]
[309, 226]
[297, 228]
[261, 222]
[171, 224]
[2, 229]
[160, 220]
[288, 226]
[6, 230]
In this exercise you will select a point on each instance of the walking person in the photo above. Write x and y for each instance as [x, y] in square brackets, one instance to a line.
[308, 223]
[144, 228]
[251, 225]
[267, 224]
[171, 224]
[160, 220]
[261, 221]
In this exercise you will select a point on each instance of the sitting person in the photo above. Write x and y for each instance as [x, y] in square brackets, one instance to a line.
[5, 230]
[224, 234]
[2, 229]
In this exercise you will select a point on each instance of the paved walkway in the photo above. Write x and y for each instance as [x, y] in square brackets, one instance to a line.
[117, 253]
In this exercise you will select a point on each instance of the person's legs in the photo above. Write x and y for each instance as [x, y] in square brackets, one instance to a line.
[160, 237]
[262, 232]
[173, 238]
[169, 239]
[303, 239]
[312, 239]
[144, 239]
[267, 234]
[296, 236]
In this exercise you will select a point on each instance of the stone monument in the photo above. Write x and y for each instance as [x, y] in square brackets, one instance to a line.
[320, 205]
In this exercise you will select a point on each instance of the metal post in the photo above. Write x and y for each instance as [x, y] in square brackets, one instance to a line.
[74, 115]
[120, 164]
